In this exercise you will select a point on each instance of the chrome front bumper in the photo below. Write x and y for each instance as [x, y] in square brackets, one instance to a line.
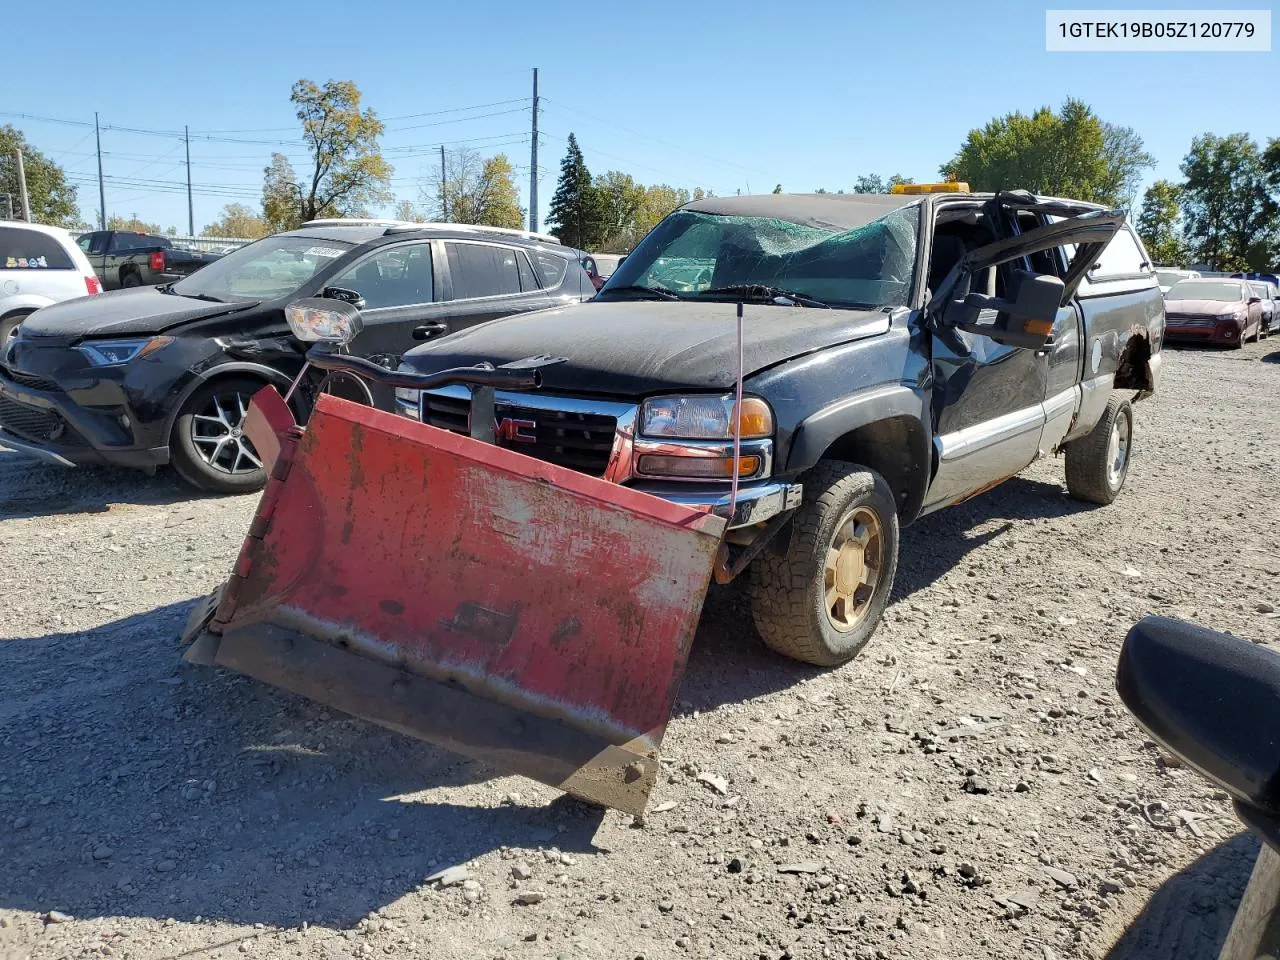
[757, 502]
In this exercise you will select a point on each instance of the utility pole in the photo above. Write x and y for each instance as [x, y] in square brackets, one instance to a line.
[191, 210]
[22, 183]
[533, 161]
[102, 190]
[444, 197]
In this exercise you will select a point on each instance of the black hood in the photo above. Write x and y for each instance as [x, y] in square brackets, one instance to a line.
[140, 310]
[635, 348]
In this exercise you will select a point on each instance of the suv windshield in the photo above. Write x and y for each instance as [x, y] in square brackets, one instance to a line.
[264, 270]
[1205, 290]
[702, 255]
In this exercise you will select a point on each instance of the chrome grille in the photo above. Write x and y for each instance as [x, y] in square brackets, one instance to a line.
[570, 433]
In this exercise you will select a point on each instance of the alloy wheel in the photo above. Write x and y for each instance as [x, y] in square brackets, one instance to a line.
[1118, 451]
[855, 560]
[217, 433]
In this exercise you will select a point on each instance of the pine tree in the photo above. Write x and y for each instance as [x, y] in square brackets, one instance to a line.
[576, 216]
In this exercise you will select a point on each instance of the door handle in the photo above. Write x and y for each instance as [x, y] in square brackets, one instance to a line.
[428, 330]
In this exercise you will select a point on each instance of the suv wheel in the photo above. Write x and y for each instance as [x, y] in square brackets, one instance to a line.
[822, 600]
[208, 447]
[1098, 462]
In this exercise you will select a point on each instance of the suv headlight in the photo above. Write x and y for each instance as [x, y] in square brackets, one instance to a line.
[109, 353]
[704, 418]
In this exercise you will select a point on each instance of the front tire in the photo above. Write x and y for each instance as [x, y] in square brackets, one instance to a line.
[1098, 462]
[208, 447]
[822, 600]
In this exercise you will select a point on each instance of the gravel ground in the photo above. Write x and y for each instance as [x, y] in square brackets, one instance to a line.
[970, 788]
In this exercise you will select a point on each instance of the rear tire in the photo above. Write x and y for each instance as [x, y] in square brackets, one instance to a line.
[207, 448]
[9, 327]
[130, 278]
[821, 601]
[1098, 462]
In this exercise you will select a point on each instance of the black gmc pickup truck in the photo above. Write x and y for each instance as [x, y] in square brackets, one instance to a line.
[901, 353]
[123, 258]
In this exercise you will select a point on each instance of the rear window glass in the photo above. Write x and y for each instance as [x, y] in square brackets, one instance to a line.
[482, 270]
[32, 250]
[550, 267]
[1121, 257]
[527, 280]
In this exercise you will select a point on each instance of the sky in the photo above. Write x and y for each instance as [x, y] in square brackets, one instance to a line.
[725, 97]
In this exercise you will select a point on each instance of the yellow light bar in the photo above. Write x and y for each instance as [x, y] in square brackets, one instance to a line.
[952, 186]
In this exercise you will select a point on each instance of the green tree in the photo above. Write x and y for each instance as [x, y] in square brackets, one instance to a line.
[1229, 214]
[874, 183]
[621, 203]
[281, 196]
[476, 191]
[575, 216]
[239, 222]
[52, 198]
[132, 224]
[1071, 153]
[348, 172]
[778, 188]
[1159, 224]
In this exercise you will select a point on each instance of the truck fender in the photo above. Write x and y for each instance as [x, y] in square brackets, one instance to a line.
[269, 374]
[886, 429]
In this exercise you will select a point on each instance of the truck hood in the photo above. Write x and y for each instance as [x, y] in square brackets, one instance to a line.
[139, 310]
[1203, 308]
[636, 348]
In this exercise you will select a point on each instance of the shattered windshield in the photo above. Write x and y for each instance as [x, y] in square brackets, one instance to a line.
[697, 255]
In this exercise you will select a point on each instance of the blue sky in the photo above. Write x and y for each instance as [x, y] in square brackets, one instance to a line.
[727, 97]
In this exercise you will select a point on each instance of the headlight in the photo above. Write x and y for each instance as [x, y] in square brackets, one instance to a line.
[109, 353]
[328, 321]
[704, 418]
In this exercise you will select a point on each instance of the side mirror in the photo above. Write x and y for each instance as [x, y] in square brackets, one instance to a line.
[1026, 321]
[318, 319]
[352, 297]
[1255, 299]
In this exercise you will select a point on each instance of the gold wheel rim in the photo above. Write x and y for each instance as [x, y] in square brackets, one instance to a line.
[855, 560]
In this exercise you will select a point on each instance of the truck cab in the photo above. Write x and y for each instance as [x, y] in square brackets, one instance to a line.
[900, 353]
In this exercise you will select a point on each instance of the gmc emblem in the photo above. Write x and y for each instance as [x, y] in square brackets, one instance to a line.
[515, 431]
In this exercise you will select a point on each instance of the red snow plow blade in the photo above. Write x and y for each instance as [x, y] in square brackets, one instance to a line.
[502, 607]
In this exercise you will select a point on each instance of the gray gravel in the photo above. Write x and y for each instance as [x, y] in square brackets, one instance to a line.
[970, 788]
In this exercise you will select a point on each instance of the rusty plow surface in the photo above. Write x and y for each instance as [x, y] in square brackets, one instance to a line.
[505, 608]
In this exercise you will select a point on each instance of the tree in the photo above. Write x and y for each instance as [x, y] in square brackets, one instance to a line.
[575, 216]
[476, 191]
[52, 199]
[281, 196]
[1159, 224]
[1230, 216]
[874, 183]
[621, 201]
[408, 210]
[778, 188]
[132, 224]
[1071, 153]
[237, 221]
[348, 170]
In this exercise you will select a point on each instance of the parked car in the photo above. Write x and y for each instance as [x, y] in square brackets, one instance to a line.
[38, 266]
[1214, 310]
[1270, 296]
[1168, 276]
[123, 258]
[901, 353]
[163, 374]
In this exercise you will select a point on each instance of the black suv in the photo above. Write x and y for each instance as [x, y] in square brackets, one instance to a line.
[154, 375]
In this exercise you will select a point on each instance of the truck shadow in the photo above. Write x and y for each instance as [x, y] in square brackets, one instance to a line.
[1188, 917]
[729, 662]
[136, 785]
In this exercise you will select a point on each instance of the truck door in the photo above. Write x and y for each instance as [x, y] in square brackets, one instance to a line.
[992, 399]
[94, 246]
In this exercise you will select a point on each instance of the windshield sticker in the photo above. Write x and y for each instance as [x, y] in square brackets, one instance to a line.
[322, 252]
[22, 263]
